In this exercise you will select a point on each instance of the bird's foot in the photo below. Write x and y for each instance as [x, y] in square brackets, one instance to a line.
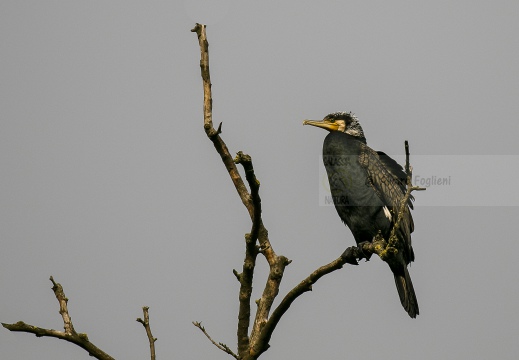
[363, 254]
[350, 255]
[354, 253]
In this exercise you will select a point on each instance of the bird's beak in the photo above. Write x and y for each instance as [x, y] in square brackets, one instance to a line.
[325, 124]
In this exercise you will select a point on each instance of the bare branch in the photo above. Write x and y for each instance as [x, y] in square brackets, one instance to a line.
[220, 346]
[212, 134]
[263, 326]
[379, 246]
[392, 244]
[63, 310]
[292, 295]
[206, 77]
[221, 147]
[69, 334]
[277, 264]
[252, 203]
[405, 200]
[245, 279]
[251, 251]
[146, 324]
[246, 161]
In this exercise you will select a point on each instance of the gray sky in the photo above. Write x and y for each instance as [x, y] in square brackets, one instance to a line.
[110, 185]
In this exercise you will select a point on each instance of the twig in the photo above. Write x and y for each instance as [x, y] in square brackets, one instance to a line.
[63, 309]
[220, 346]
[393, 238]
[69, 334]
[146, 324]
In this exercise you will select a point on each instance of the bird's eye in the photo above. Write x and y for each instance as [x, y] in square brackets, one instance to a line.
[332, 120]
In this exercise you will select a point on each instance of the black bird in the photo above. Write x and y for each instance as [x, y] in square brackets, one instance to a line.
[367, 188]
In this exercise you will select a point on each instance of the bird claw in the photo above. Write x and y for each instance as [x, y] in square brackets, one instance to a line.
[361, 253]
[350, 255]
[354, 253]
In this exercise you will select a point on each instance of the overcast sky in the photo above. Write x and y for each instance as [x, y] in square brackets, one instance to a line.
[110, 184]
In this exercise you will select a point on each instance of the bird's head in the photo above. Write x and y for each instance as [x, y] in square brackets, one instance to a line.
[345, 122]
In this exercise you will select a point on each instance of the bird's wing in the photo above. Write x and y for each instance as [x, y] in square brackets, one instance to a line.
[387, 178]
[397, 171]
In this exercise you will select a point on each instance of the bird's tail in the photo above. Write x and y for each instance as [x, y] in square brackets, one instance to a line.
[404, 285]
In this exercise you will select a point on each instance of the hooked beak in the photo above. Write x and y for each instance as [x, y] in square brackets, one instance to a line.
[325, 124]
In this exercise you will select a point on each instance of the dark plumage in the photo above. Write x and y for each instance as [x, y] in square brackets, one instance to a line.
[367, 188]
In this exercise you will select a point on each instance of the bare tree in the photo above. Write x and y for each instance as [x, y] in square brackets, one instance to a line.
[254, 343]
[70, 334]
[253, 333]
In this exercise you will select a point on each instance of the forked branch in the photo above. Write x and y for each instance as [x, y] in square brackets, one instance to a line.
[251, 347]
[253, 204]
[69, 334]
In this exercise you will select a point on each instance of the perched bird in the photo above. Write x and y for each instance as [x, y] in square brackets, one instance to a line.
[367, 188]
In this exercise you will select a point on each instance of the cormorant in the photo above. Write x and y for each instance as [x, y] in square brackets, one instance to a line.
[367, 188]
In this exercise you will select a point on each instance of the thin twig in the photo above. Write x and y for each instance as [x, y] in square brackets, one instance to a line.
[146, 324]
[220, 346]
[70, 335]
[393, 238]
